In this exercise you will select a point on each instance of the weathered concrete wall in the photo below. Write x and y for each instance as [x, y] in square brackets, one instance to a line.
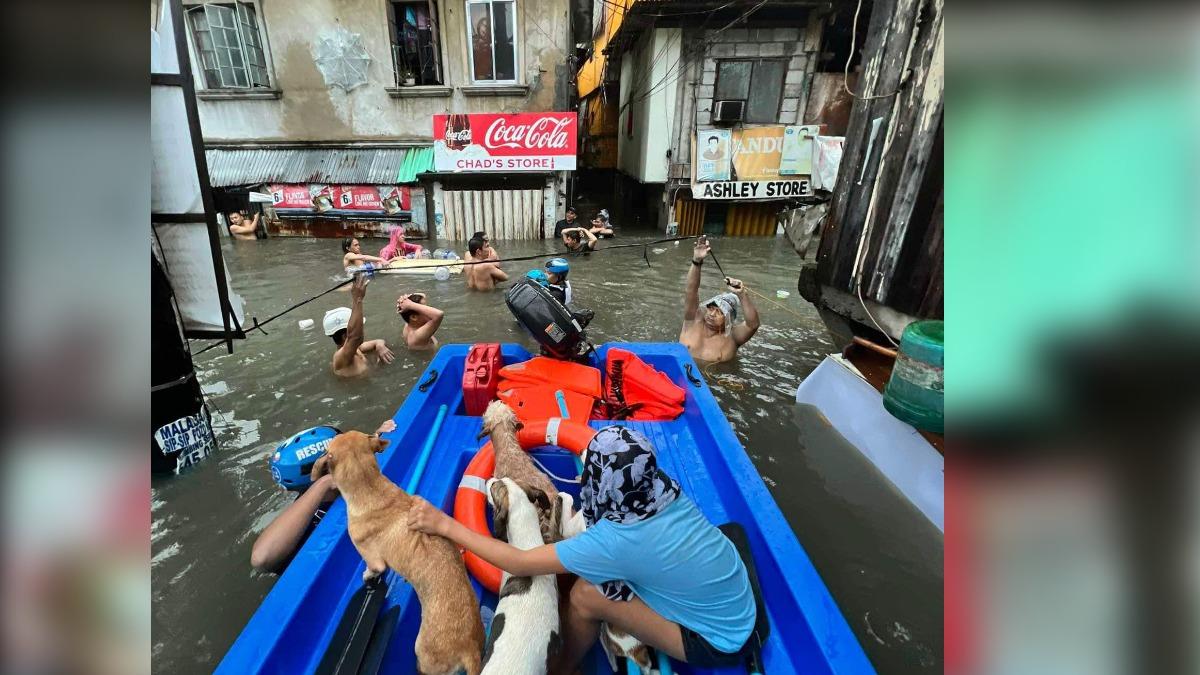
[308, 110]
[798, 43]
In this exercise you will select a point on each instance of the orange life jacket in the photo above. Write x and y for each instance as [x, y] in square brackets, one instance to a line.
[635, 390]
[541, 388]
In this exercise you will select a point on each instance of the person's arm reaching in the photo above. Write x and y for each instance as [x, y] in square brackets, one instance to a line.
[363, 257]
[424, 517]
[354, 330]
[591, 238]
[378, 347]
[742, 334]
[278, 542]
[691, 290]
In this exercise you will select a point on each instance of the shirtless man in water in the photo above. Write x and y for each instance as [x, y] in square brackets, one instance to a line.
[482, 276]
[345, 326]
[421, 321]
[354, 257]
[704, 328]
[240, 229]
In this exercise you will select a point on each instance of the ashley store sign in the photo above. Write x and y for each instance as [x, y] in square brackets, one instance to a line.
[504, 143]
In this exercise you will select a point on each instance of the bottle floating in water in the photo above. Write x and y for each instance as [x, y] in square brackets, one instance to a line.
[445, 254]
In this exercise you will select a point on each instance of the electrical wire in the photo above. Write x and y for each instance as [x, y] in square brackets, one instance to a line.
[850, 57]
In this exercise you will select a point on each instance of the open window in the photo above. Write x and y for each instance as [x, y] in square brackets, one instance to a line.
[229, 45]
[416, 54]
[491, 30]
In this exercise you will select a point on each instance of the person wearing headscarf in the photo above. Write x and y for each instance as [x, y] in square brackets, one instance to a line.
[711, 331]
[398, 246]
[649, 562]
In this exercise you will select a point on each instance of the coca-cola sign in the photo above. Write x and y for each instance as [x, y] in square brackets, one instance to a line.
[504, 143]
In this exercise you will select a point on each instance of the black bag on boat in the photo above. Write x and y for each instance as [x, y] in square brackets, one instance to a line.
[550, 323]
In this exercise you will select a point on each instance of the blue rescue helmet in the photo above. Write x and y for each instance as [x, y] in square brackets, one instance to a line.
[292, 462]
[539, 277]
[559, 266]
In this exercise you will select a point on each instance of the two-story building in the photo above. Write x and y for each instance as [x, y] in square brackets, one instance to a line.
[328, 106]
[709, 111]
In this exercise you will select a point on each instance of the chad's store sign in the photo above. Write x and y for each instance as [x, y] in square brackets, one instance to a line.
[504, 143]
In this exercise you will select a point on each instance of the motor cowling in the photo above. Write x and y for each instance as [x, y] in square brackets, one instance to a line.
[547, 320]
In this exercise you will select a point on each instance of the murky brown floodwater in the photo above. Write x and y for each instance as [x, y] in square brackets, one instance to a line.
[881, 560]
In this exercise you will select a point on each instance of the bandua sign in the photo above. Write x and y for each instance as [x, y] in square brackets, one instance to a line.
[767, 163]
[484, 143]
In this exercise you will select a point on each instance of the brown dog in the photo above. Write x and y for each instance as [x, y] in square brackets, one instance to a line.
[451, 635]
[501, 423]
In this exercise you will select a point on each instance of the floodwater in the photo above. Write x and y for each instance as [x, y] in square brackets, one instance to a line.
[880, 558]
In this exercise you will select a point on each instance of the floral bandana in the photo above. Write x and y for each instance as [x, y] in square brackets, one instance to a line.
[621, 482]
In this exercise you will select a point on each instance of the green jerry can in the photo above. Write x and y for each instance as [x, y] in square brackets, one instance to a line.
[915, 392]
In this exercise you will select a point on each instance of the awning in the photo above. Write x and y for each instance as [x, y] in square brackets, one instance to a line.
[417, 161]
[350, 166]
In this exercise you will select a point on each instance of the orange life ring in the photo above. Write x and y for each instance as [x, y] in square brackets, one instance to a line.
[470, 502]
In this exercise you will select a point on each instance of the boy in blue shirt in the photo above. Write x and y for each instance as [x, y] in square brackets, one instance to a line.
[649, 563]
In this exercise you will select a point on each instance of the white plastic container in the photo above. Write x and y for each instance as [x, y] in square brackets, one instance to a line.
[305, 324]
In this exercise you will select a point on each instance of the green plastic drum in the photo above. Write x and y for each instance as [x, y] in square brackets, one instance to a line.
[915, 392]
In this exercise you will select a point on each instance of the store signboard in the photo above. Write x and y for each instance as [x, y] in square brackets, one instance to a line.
[505, 143]
[750, 190]
[319, 198]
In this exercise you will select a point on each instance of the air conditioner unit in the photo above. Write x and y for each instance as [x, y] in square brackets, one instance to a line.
[728, 111]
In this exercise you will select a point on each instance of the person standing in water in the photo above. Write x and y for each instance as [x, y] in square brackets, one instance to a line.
[579, 240]
[240, 229]
[421, 321]
[482, 276]
[493, 255]
[566, 223]
[708, 332]
[354, 257]
[345, 326]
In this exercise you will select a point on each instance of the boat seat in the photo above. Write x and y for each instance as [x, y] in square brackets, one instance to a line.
[762, 623]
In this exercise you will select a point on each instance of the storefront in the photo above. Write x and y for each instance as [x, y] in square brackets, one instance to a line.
[502, 173]
[743, 178]
[325, 192]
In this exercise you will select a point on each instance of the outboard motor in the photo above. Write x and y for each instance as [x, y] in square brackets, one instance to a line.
[547, 320]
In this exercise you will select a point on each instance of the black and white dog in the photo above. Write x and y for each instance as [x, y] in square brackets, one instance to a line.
[524, 636]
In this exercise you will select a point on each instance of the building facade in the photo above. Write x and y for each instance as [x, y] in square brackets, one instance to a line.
[336, 99]
[713, 109]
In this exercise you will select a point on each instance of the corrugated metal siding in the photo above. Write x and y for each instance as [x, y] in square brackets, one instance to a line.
[689, 213]
[365, 166]
[504, 214]
[752, 220]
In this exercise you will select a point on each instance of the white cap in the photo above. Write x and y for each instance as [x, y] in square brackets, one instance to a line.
[336, 319]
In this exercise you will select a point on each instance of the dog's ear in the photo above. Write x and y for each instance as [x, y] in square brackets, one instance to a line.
[321, 467]
[539, 498]
[378, 443]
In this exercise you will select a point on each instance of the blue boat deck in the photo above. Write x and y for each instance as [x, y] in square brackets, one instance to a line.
[294, 625]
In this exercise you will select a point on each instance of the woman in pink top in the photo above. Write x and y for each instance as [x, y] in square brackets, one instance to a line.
[398, 247]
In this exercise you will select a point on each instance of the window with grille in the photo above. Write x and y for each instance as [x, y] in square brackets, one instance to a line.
[229, 44]
[758, 82]
[491, 28]
[414, 29]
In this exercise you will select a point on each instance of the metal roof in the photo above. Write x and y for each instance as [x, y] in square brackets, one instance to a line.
[249, 166]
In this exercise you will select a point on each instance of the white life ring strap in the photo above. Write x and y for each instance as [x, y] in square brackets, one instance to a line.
[552, 425]
[474, 483]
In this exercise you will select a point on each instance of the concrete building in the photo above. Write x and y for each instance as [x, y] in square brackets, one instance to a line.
[335, 96]
[706, 111]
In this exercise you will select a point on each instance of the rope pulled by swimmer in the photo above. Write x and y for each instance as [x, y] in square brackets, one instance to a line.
[259, 324]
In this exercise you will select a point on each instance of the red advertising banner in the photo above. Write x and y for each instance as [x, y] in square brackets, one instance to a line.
[505, 143]
[389, 199]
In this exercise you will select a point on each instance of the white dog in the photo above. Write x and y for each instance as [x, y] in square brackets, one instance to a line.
[524, 635]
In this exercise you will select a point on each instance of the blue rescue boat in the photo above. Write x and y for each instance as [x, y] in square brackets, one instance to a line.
[319, 617]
